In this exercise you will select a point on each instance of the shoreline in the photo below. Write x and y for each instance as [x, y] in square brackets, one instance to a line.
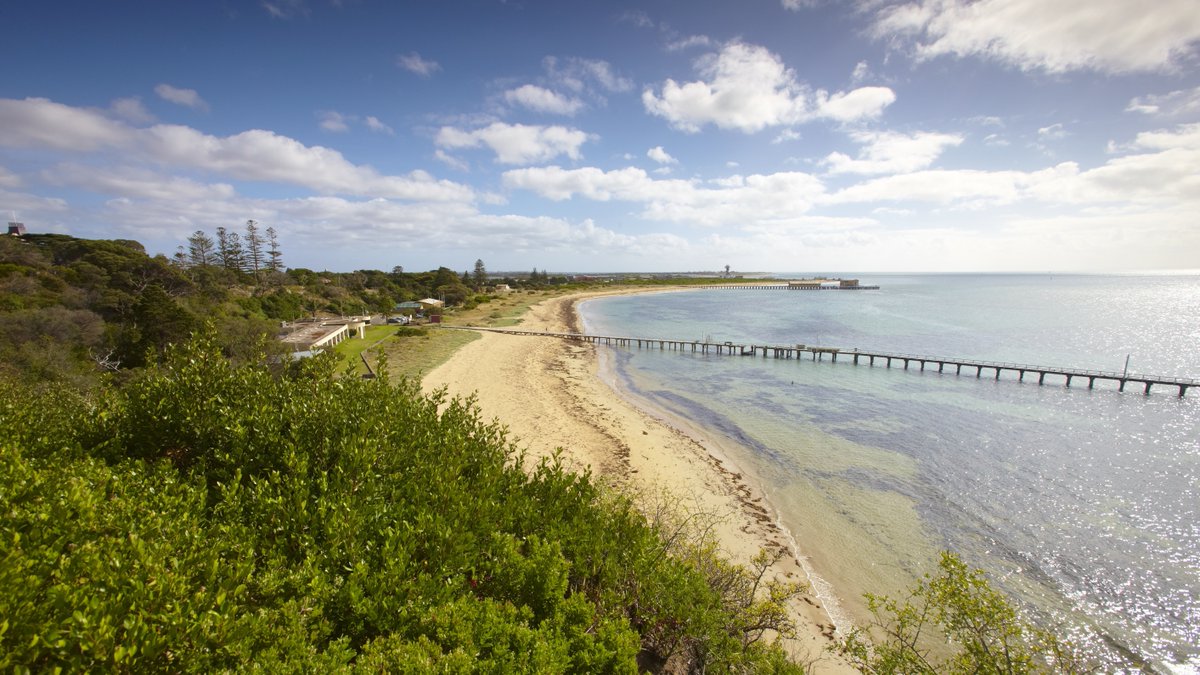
[553, 394]
[743, 481]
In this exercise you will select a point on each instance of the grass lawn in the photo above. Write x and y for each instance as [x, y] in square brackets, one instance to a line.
[413, 351]
[350, 350]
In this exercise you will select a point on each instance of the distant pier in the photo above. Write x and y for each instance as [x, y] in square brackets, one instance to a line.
[888, 359]
[797, 285]
[783, 287]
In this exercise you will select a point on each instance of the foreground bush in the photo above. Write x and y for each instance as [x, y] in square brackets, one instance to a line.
[208, 516]
[955, 622]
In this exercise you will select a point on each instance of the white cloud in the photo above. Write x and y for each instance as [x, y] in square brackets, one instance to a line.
[637, 18]
[31, 208]
[689, 42]
[861, 71]
[339, 123]
[517, 143]
[450, 160]
[334, 121]
[1162, 172]
[375, 125]
[797, 5]
[542, 100]
[659, 155]
[1111, 36]
[748, 88]
[965, 188]
[39, 122]
[786, 136]
[1186, 136]
[184, 97]
[136, 183]
[131, 108]
[255, 155]
[1175, 104]
[857, 104]
[581, 75]
[413, 63]
[892, 152]
[1054, 132]
[734, 201]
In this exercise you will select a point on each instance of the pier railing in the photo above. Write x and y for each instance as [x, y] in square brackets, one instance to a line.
[858, 356]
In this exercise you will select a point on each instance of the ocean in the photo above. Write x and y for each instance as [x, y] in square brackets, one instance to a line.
[1082, 505]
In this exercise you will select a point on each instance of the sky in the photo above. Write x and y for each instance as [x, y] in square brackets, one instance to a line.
[582, 136]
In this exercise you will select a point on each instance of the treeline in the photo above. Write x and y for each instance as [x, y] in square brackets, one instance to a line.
[72, 309]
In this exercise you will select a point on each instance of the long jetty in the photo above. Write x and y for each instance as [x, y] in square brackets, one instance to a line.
[784, 287]
[942, 364]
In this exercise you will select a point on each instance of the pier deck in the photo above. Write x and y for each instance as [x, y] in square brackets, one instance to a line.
[817, 353]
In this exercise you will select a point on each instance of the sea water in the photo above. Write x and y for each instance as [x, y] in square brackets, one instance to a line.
[1082, 505]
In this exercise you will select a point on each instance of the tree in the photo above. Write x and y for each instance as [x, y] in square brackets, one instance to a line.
[254, 249]
[981, 629]
[480, 275]
[229, 249]
[200, 249]
[727, 270]
[274, 256]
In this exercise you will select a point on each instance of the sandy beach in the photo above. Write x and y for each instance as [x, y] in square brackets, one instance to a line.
[549, 394]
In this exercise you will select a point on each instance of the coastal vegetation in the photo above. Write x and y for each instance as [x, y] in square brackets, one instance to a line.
[207, 515]
[177, 496]
[955, 622]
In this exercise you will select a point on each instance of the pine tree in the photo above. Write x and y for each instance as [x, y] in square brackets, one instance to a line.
[274, 256]
[223, 252]
[480, 274]
[254, 250]
[236, 256]
[200, 249]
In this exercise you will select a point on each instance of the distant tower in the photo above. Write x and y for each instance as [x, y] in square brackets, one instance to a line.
[16, 229]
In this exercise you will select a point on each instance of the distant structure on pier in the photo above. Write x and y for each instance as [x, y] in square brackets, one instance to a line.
[818, 284]
[815, 284]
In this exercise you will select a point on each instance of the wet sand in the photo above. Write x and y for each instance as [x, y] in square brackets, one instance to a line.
[550, 395]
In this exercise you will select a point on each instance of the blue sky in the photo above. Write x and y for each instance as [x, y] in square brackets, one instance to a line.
[672, 135]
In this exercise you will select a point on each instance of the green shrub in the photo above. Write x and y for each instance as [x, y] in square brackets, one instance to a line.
[211, 516]
[954, 622]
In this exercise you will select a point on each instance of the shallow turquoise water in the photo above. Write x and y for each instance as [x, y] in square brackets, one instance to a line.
[1083, 505]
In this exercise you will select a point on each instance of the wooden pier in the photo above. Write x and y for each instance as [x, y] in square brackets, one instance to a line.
[888, 359]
